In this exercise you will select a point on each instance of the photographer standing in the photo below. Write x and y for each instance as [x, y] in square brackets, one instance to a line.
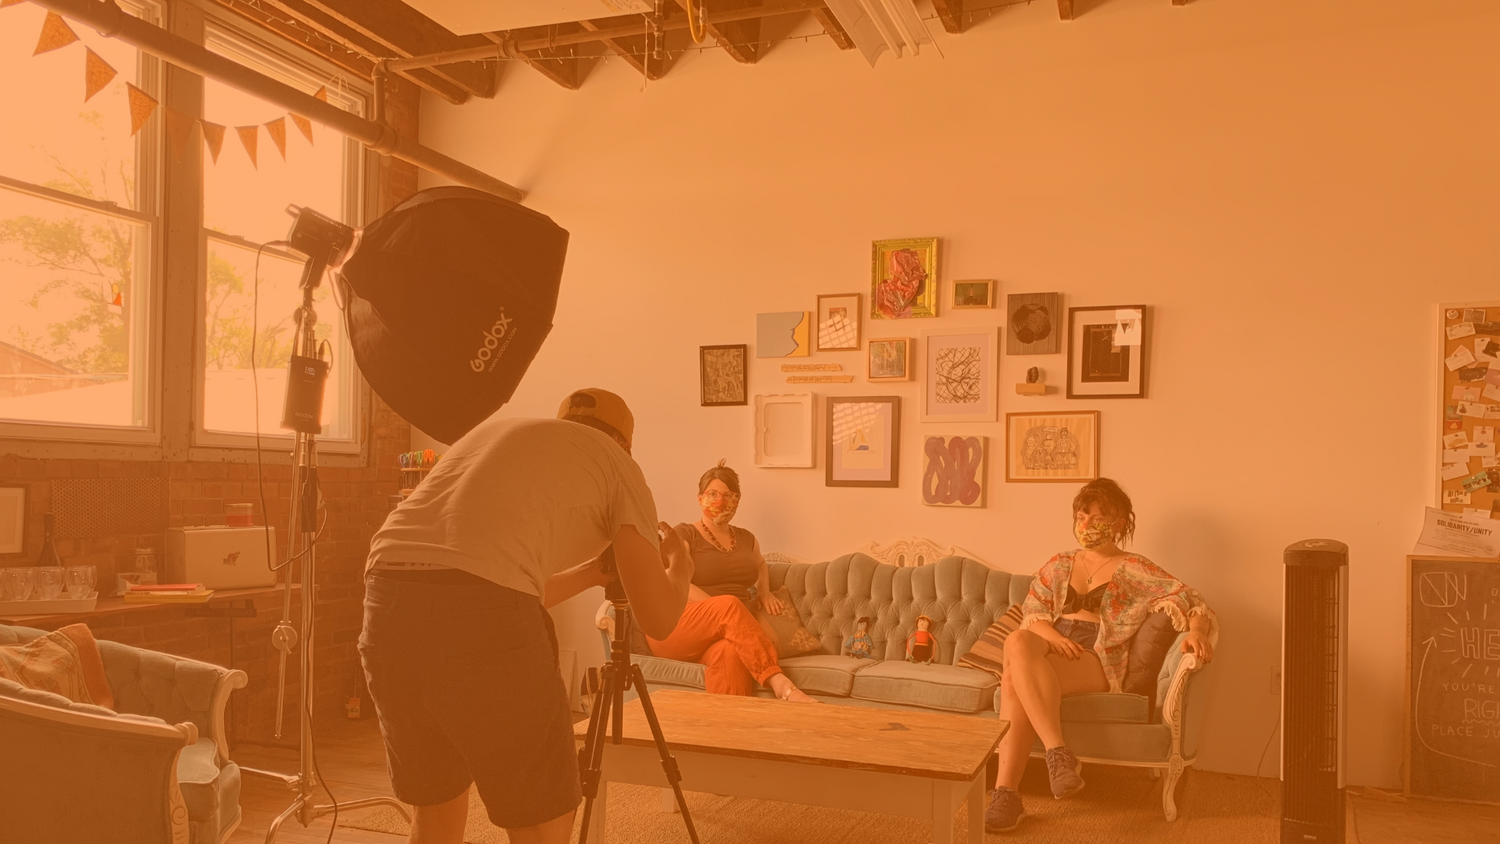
[458, 647]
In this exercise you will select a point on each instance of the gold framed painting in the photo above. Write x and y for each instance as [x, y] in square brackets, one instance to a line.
[1052, 447]
[972, 293]
[904, 278]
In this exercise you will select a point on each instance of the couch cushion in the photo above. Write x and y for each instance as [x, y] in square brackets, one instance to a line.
[1107, 708]
[785, 630]
[821, 674]
[212, 795]
[945, 687]
[670, 672]
[64, 662]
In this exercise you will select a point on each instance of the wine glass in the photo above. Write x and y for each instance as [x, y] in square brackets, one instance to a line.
[16, 583]
[79, 581]
[49, 582]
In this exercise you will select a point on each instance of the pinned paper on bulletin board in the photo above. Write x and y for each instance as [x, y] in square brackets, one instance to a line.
[1469, 402]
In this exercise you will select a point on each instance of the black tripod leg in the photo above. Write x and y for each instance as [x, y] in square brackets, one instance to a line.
[668, 763]
[592, 755]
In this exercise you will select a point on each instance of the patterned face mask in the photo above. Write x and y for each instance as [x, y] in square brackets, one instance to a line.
[1094, 535]
[720, 509]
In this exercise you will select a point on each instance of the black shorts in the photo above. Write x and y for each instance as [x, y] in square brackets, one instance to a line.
[464, 676]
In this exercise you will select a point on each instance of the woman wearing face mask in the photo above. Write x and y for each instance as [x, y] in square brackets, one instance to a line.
[717, 628]
[1078, 619]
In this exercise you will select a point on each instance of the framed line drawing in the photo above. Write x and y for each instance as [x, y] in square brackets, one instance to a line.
[1107, 352]
[838, 323]
[12, 519]
[953, 471]
[973, 294]
[1048, 447]
[864, 441]
[904, 278]
[959, 375]
[889, 359]
[721, 375]
[784, 425]
[1035, 323]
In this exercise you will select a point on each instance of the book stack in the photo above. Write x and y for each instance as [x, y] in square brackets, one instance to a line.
[168, 593]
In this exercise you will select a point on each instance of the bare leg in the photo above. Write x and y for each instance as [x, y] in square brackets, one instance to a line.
[1041, 679]
[440, 824]
[1015, 745]
[559, 830]
[782, 686]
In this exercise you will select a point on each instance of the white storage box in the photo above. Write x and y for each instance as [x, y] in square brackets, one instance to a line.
[220, 557]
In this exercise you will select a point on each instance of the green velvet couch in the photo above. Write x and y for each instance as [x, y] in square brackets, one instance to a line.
[962, 597]
[156, 769]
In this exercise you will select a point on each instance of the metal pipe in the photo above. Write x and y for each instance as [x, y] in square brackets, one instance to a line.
[111, 21]
[499, 50]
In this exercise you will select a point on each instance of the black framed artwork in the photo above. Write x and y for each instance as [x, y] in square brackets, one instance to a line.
[1107, 352]
[722, 375]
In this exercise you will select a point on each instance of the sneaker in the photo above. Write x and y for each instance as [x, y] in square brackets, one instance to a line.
[1005, 811]
[1065, 771]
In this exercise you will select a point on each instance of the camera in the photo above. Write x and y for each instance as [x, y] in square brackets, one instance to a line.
[614, 591]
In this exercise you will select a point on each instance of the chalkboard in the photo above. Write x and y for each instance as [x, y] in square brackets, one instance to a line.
[1453, 678]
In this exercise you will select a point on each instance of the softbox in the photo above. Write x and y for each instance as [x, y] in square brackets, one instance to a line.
[447, 299]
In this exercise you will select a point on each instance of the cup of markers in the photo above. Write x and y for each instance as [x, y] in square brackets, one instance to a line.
[414, 466]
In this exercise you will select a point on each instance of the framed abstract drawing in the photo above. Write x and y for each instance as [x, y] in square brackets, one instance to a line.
[782, 335]
[721, 375]
[890, 359]
[973, 294]
[904, 278]
[838, 323]
[12, 519]
[784, 430]
[1052, 447]
[864, 441]
[1107, 352]
[953, 471]
[1035, 323]
[959, 375]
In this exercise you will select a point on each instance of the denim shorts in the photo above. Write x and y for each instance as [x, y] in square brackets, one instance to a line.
[464, 677]
[1085, 633]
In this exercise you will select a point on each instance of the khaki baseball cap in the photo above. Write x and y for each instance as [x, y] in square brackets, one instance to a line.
[600, 405]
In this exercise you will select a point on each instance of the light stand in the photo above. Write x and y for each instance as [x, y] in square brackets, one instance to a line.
[323, 240]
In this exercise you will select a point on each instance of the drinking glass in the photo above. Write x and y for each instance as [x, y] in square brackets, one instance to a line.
[16, 583]
[79, 581]
[49, 582]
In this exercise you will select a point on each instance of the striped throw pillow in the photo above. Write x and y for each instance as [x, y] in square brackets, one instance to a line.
[988, 653]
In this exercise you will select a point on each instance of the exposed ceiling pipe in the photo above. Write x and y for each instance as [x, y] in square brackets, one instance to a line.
[111, 21]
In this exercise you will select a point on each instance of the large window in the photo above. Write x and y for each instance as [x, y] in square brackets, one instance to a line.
[78, 238]
[244, 208]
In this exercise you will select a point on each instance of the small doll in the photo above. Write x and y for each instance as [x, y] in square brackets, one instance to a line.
[859, 645]
[921, 646]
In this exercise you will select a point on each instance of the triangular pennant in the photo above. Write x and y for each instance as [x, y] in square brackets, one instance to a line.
[249, 136]
[142, 105]
[277, 130]
[213, 135]
[321, 94]
[304, 125]
[96, 74]
[55, 33]
[180, 131]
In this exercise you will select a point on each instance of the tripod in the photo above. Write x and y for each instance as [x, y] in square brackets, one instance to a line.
[619, 673]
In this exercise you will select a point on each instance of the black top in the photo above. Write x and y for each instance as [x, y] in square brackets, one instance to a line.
[723, 573]
[1084, 603]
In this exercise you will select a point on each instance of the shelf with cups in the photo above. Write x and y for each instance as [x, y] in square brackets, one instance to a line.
[47, 589]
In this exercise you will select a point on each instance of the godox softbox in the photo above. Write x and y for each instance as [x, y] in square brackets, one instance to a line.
[447, 299]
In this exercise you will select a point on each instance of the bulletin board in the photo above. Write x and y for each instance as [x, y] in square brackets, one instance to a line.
[1469, 408]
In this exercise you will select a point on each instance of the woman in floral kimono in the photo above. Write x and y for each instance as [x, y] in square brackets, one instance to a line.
[1083, 609]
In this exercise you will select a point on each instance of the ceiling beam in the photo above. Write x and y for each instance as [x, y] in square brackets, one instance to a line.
[333, 51]
[836, 31]
[559, 63]
[634, 49]
[741, 38]
[1065, 9]
[951, 13]
[405, 32]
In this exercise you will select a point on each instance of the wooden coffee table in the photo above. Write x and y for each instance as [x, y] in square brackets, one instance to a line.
[912, 764]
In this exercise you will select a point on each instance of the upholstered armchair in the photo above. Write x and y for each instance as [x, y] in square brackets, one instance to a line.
[156, 769]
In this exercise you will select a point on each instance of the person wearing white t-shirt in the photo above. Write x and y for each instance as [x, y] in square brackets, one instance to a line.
[457, 645]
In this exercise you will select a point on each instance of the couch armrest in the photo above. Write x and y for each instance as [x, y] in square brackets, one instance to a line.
[1177, 673]
[85, 777]
[172, 688]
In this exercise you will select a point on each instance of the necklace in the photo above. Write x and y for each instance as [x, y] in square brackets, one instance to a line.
[1095, 570]
[709, 535]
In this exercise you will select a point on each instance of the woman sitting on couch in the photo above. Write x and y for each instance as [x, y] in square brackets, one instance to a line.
[717, 628]
[1078, 619]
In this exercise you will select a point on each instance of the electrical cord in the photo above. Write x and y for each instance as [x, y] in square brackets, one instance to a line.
[1263, 753]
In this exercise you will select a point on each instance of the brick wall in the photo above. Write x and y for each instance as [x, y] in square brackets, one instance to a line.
[356, 500]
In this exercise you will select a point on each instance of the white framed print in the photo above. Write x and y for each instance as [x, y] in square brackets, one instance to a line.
[959, 374]
[12, 519]
[784, 426]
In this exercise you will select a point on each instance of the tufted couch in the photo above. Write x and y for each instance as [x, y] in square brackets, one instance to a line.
[962, 597]
[156, 769]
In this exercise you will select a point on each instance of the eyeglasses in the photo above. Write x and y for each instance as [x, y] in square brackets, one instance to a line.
[1091, 519]
[715, 495]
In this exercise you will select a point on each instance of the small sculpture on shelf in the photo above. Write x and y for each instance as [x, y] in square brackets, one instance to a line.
[1033, 385]
[922, 646]
[860, 645]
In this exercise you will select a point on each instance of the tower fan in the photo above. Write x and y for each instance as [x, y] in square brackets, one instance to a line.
[1314, 667]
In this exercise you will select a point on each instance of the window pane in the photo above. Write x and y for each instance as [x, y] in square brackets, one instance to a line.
[73, 309]
[52, 137]
[229, 394]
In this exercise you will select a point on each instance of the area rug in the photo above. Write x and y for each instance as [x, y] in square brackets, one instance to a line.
[1119, 805]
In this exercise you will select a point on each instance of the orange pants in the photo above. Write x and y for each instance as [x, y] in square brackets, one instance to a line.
[723, 635]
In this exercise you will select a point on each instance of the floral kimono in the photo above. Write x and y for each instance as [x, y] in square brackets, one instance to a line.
[1137, 588]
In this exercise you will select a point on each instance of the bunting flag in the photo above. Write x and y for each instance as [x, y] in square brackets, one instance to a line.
[180, 131]
[96, 74]
[249, 136]
[55, 33]
[321, 94]
[142, 105]
[303, 124]
[116, 299]
[277, 130]
[213, 135]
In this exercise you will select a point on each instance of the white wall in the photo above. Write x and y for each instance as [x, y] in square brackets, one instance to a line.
[1290, 185]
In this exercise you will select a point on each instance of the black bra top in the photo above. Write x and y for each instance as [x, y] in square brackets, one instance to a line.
[1084, 603]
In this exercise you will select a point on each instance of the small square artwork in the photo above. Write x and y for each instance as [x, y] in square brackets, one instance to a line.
[864, 441]
[959, 375]
[953, 471]
[904, 278]
[838, 323]
[782, 335]
[974, 294]
[12, 519]
[1107, 352]
[1034, 321]
[721, 375]
[890, 359]
[1052, 447]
